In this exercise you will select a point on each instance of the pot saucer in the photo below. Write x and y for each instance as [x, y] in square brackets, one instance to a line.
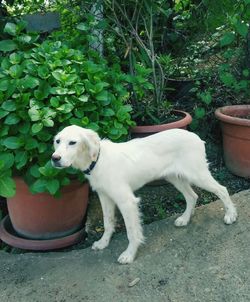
[9, 236]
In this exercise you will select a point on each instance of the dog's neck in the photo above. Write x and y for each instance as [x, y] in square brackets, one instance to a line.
[92, 165]
[85, 163]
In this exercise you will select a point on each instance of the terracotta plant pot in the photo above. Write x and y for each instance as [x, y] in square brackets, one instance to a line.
[41, 216]
[182, 123]
[235, 124]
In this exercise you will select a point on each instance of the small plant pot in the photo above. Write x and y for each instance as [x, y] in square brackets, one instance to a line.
[235, 125]
[41, 217]
[182, 123]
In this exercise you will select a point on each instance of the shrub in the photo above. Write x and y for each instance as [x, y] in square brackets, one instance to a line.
[44, 88]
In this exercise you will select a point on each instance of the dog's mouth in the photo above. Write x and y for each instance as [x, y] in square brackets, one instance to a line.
[58, 165]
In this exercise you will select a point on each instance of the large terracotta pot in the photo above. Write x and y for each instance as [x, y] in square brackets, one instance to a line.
[182, 123]
[41, 216]
[235, 124]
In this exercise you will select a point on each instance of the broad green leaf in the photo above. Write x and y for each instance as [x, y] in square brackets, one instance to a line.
[83, 27]
[24, 128]
[30, 82]
[31, 143]
[42, 147]
[24, 39]
[245, 73]
[34, 171]
[206, 97]
[37, 127]
[43, 72]
[65, 181]
[66, 108]
[15, 58]
[241, 28]
[16, 71]
[200, 112]
[3, 113]
[227, 39]
[53, 186]
[85, 121]
[7, 45]
[227, 78]
[4, 130]
[7, 187]
[34, 114]
[4, 85]
[7, 159]
[12, 87]
[39, 186]
[21, 159]
[58, 90]
[5, 64]
[12, 119]
[57, 74]
[10, 28]
[48, 123]
[12, 142]
[48, 170]
[89, 107]
[93, 126]
[84, 98]
[103, 96]
[9, 105]
[43, 91]
[55, 101]
[107, 112]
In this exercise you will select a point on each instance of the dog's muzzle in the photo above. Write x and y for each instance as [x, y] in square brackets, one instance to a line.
[55, 159]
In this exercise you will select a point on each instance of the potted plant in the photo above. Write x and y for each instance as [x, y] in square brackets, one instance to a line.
[43, 88]
[234, 73]
[235, 124]
[138, 29]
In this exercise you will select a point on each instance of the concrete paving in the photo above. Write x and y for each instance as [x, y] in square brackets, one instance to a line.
[206, 261]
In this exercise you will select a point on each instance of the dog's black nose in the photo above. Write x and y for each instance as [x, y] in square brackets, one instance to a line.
[56, 158]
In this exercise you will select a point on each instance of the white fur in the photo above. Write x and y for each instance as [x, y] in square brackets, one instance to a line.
[175, 155]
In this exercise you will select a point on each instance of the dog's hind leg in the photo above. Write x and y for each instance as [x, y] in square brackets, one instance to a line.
[190, 196]
[205, 180]
[108, 209]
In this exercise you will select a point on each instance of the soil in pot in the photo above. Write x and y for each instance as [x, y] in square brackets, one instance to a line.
[183, 120]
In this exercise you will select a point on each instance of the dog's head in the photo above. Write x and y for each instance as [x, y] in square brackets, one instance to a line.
[75, 147]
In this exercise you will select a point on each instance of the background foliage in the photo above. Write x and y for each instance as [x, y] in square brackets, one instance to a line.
[157, 55]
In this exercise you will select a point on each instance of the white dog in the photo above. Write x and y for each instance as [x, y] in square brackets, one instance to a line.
[116, 170]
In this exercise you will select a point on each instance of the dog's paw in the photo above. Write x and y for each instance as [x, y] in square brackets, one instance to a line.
[181, 221]
[126, 258]
[100, 245]
[230, 217]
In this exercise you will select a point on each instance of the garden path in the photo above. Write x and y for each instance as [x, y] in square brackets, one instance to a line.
[206, 261]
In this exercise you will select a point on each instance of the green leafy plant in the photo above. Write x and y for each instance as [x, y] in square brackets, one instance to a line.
[44, 88]
[137, 26]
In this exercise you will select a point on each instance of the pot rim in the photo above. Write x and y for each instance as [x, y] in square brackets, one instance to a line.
[223, 114]
[186, 120]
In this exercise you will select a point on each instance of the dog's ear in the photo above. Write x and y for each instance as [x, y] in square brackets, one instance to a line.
[92, 140]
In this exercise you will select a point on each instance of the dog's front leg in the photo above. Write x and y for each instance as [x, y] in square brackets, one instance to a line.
[108, 209]
[131, 215]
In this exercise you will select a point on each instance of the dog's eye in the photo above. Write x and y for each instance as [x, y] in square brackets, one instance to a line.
[72, 143]
[58, 141]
